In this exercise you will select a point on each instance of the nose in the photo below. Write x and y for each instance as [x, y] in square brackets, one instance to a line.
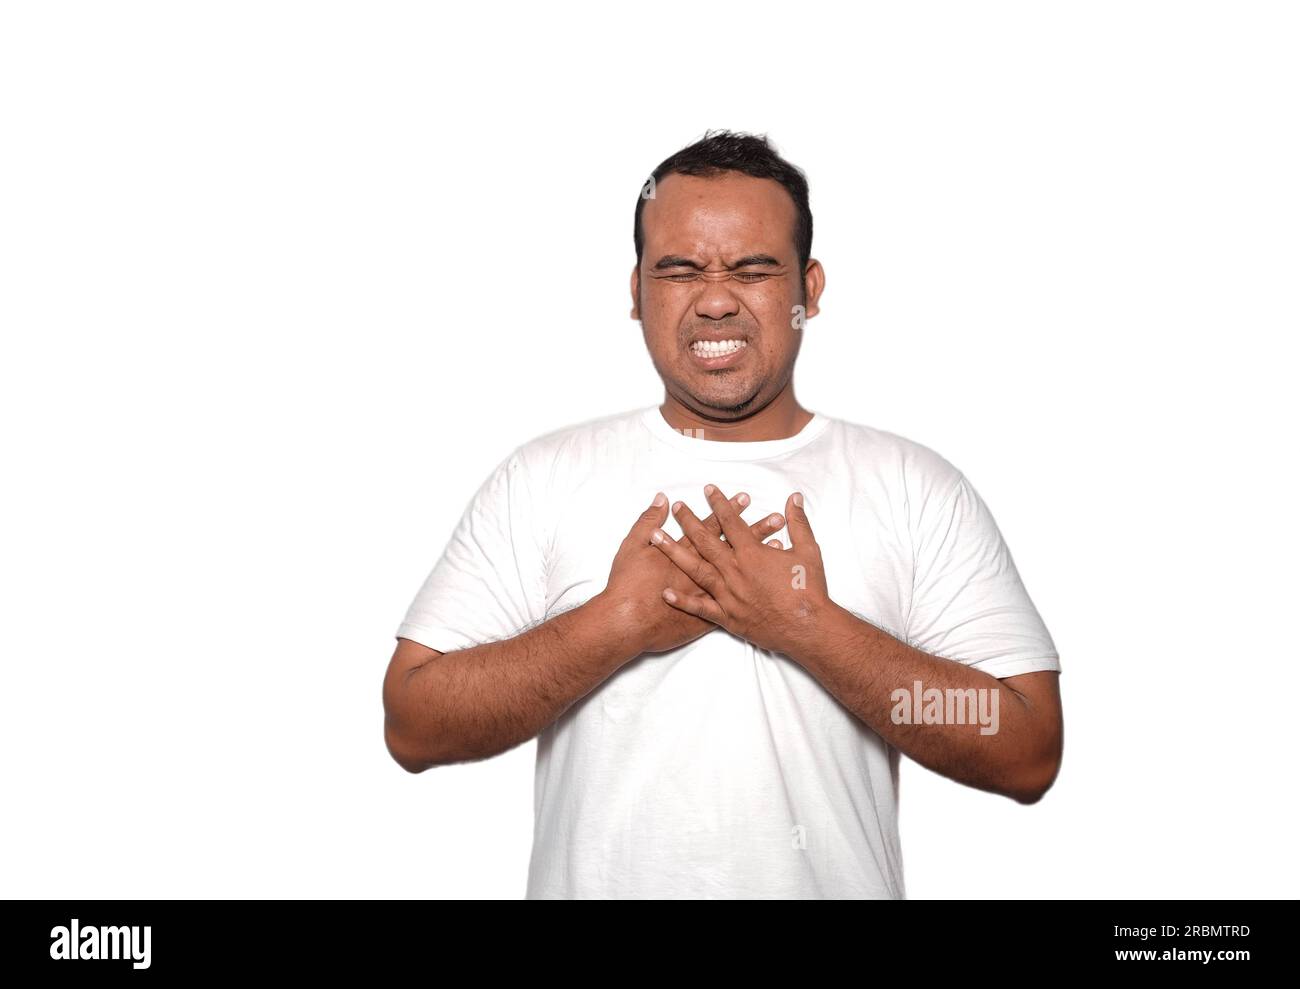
[716, 301]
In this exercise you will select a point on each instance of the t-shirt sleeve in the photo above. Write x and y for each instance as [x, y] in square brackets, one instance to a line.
[489, 583]
[968, 602]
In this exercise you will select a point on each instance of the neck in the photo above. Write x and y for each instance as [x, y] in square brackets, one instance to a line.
[780, 419]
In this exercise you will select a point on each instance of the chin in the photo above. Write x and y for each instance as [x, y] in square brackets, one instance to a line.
[724, 404]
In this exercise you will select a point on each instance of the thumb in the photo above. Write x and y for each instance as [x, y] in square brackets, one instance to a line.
[800, 529]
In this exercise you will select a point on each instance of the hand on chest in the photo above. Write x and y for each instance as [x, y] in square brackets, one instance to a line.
[866, 565]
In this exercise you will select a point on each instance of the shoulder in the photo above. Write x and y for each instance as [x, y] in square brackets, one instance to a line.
[919, 472]
[579, 446]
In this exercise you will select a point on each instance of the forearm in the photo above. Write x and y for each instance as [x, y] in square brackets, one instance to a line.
[477, 702]
[1013, 753]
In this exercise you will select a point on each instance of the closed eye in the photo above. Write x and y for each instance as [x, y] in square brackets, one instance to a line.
[744, 276]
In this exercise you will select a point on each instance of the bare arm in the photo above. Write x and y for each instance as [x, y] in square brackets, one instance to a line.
[474, 703]
[862, 666]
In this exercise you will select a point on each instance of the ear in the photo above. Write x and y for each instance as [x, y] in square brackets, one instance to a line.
[636, 291]
[814, 280]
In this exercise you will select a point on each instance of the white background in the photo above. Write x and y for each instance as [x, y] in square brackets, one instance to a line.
[282, 282]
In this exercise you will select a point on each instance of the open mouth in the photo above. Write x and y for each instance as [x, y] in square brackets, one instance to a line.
[712, 354]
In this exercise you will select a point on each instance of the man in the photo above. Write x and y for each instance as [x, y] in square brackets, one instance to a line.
[718, 714]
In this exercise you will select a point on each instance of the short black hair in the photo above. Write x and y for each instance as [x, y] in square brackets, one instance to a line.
[723, 151]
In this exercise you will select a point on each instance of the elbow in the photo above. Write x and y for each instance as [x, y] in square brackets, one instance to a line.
[1037, 776]
[403, 755]
[412, 753]
[1030, 792]
[408, 747]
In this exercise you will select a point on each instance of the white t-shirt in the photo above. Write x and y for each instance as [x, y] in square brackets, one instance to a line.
[721, 770]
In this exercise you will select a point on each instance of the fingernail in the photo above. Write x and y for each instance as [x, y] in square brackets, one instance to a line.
[798, 499]
[677, 507]
[669, 595]
[774, 520]
[709, 489]
[743, 498]
[660, 500]
[657, 536]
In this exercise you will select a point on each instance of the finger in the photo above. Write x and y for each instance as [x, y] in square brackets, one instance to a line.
[699, 605]
[733, 526]
[700, 571]
[705, 543]
[761, 529]
[714, 525]
[801, 534]
[765, 527]
[650, 519]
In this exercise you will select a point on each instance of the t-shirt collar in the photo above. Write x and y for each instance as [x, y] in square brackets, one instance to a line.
[703, 449]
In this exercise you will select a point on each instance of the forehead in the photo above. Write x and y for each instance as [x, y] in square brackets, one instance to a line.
[730, 213]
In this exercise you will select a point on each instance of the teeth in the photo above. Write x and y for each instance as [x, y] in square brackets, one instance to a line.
[719, 348]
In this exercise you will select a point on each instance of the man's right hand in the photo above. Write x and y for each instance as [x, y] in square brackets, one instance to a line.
[634, 592]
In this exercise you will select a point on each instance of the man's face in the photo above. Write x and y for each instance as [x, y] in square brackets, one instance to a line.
[718, 264]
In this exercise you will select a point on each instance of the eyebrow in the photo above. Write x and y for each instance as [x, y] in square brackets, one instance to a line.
[677, 261]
